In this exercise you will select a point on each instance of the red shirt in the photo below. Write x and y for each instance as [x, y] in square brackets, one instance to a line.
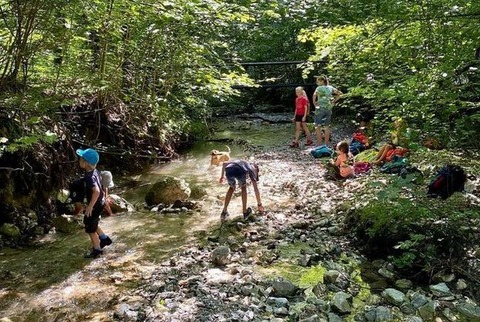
[301, 102]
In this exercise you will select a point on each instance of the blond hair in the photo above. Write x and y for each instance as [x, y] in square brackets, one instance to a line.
[300, 88]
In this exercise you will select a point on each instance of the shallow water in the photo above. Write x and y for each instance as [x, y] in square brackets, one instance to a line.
[53, 282]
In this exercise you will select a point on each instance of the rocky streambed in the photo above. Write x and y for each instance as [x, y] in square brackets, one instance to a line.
[294, 263]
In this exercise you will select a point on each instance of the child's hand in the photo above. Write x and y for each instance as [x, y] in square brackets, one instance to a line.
[221, 180]
[261, 209]
[88, 211]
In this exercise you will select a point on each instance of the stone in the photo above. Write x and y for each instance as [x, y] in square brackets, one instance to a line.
[221, 256]
[341, 302]
[67, 223]
[469, 310]
[440, 290]
[10, 230]
[394, 296]
[403, 284]
[427, 311]
[166, 190]
[284, 288]
[119, 204]
[331, 276]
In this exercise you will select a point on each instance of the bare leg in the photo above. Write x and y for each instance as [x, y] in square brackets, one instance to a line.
[228, 197]
[95, 240]
[382, 154]
[327, 134]
[307, 131]
[297, 131]
[318, 132]
[244, 198]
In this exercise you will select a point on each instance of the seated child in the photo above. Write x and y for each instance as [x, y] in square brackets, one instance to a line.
[341, 165]
[360, 141]
[392, 148]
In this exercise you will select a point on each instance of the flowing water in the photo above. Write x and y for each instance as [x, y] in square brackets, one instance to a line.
[51, 281]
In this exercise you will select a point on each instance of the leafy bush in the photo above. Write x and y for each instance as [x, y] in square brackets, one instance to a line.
[417, 237]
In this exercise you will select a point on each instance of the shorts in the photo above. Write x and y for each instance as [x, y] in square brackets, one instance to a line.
[91, 223]
[299, 118]
[235, 173]
[323, 117]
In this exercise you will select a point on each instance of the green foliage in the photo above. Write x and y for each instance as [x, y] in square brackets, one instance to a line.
[413, 61]
[417, 235]
[312, 277]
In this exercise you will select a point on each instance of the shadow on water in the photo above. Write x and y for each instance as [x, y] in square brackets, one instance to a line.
[51, 281]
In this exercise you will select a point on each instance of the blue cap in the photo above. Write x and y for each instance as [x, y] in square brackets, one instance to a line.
[89, 155]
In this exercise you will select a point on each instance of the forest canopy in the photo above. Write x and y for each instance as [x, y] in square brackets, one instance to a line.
[165, 65]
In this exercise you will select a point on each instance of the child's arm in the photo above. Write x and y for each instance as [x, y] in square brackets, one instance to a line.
[337, 94]
[93, 200]
[306, 112]
[338, 161]
[222, 175]
[314, 98]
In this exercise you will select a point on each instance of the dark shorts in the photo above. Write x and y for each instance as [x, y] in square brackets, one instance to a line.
[299, 118]
[323, 117]
[91, 223]
[234, 174]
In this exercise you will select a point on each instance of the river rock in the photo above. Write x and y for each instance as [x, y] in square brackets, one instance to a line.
[119, 204]
[440, 290]
[342, 302]
[10, 230]
[221, 256]
[67, 223]
[166, 190]
[284, 288]
[393, 296]
[469, 310]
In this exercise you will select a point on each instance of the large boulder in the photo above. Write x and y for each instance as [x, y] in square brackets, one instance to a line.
[167, 190]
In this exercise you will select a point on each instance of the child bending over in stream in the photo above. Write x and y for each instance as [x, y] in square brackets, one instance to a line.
[236, 171]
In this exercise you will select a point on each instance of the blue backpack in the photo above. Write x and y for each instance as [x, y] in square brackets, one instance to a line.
[321, 151]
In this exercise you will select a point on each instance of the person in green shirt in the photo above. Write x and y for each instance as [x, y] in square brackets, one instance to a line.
[324, 97]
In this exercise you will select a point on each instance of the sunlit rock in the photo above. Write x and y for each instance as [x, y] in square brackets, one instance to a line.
[166, 190]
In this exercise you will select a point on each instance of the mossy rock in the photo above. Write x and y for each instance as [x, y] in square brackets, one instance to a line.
[167, 190]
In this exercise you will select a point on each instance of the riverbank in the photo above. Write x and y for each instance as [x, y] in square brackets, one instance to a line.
[296, 263]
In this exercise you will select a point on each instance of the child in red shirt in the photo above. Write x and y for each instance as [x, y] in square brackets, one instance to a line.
[300, 117]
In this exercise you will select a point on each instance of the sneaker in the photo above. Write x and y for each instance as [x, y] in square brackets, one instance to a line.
[294, 144]
[224, 215]
[247, 214]
[309, 142]
[94, 253]
[105, 242]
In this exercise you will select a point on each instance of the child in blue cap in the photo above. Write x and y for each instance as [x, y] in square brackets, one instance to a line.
[95, 201]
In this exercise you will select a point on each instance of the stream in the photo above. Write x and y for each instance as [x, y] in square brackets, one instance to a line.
[51, 281]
